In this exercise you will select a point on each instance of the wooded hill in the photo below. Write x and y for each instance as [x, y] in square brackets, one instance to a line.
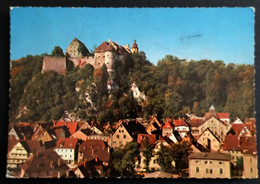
[172, 88]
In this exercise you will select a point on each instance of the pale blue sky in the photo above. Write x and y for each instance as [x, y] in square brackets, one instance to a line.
[189, 33]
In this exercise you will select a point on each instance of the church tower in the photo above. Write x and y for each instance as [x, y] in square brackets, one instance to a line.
[134, 48]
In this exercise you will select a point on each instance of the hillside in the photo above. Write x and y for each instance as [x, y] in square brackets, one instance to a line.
[172, 88]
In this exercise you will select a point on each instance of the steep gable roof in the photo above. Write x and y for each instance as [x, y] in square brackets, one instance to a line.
[167, 125]
[133, 128]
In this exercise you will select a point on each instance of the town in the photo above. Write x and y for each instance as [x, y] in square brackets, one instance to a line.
[212, 145]
[218, 147]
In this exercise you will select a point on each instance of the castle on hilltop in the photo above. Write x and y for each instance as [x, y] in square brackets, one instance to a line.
[108, 53]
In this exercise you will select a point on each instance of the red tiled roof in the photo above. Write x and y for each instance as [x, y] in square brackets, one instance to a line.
[219, 115]
[237, 128]
[231, 142]
[195, 122]
[248, 143]
[105, 46]
[167, 125]
[180, 122]
[67, 143]
[244, 143]
[72, 126]
[60, 124]
[94, 148]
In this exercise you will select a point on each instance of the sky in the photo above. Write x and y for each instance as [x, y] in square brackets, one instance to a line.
[188, 33]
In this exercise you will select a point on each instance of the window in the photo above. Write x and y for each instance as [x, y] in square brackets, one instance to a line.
[211, 171]
[220, 171]
[251, 160]
[154, 161]
[197, 169]
[251, 169]
[210, 162]
[71, 150]
[117, 136]
[119, 131]
[122, 131]
[206, 162]
[207, 170]
[124, 136]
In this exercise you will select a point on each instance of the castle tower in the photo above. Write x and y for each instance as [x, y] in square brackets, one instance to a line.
[134, 48]
[77, 49]
[212, 111]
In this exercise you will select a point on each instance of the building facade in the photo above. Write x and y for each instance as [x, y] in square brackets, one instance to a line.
[209, 165]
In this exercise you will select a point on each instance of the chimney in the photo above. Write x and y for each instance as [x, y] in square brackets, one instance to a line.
[84, 163]
[96, 159]
[24, 137]
[92, 151]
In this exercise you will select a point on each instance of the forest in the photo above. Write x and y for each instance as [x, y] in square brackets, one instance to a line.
[172, 88]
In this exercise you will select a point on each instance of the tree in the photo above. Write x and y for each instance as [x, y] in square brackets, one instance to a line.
[57, 51]
[125, 159]
[164, 158]
[147, 152]
[179, 154]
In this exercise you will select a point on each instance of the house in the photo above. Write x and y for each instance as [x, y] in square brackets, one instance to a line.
[167, 128]
[236, 145]
[91, 149]
[250, 163]
[209, 165]
[20, 152]
[181, 126]
[225, 117]
[218, 127]
[47, 164]
[53, 63]
[126, 132]
[209, 140]
[67, 149]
